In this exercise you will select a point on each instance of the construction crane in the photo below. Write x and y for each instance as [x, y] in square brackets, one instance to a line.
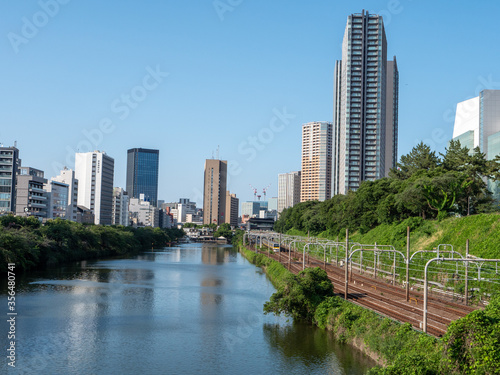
[254, 192]
[265, 190]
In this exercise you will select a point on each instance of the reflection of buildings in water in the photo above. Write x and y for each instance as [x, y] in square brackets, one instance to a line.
[150, 257]
[211, 298]
[214, 255]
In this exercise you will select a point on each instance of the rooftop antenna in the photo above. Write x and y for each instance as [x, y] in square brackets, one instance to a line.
[15, 143]
[217, 152]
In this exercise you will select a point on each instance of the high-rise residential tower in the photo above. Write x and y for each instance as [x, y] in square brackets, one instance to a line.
[142, 174]
[95, 172]
[365, 105]
[316, 174]
[9, 166]
[288, 190]
[214, 191]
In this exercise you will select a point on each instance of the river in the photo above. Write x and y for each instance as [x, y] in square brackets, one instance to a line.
[191, 309]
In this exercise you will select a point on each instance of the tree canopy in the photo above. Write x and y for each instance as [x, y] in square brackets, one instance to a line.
[424, 185]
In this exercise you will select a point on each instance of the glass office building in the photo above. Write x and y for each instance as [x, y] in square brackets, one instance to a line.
[477, 124]
[142, 174]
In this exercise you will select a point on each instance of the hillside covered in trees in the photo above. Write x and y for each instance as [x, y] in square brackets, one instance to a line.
[424, 185]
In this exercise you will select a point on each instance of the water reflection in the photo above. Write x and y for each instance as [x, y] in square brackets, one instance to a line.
[190, 309]
[314, 349]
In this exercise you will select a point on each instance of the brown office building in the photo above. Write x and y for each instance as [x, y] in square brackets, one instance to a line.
[214, 191]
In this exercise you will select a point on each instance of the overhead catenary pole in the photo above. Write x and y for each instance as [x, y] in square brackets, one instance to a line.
[407, 264]
[346, 260]
[465, 260]
[279, 252]
[466, 273]
[304, 257]
[289, 254]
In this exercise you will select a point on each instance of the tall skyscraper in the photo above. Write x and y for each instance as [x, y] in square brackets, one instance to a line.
[214, 191]
[365, 105]
[288, 190]
[9, 165]
[316, 174]
[95, 173]
[477, 124]
[142, 174]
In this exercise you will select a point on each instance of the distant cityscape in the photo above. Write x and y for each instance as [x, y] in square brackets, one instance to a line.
[361, 143]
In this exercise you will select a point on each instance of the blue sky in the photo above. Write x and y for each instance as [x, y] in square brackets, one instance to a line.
[188, 76]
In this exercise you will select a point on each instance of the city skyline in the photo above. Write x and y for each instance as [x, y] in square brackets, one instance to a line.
[62, 80]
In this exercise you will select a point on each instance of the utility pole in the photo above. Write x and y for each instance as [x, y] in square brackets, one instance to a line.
[466, 273]
[346, 264]
[407, 264]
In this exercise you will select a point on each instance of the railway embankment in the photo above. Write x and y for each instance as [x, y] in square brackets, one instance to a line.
[471, 344]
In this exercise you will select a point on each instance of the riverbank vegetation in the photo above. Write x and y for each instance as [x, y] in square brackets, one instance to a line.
[29, 244]
[470, 346]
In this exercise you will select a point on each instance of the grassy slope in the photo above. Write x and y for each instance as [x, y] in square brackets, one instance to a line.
[483, 231]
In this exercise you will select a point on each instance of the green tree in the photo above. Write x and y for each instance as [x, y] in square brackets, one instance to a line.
[224, 230]
[420, 158]
[301, 294]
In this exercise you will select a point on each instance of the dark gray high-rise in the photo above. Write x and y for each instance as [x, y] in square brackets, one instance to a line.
[142, 174]
[365, 105]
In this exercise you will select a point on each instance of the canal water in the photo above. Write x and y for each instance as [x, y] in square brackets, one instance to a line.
[192, 309]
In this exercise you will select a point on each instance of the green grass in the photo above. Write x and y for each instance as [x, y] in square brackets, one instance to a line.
[483, 232]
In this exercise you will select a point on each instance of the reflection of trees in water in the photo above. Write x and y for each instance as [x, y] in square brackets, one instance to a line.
[312, 345]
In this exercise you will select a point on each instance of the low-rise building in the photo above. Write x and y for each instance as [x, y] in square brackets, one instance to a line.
[142, 213]
[57, 193]
[67, 176]
[120, 215]
[31, 198]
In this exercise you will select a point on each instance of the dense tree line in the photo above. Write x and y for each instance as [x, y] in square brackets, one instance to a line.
[423, 185]
[29, 244]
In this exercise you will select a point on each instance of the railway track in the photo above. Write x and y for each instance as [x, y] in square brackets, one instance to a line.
[382, 297]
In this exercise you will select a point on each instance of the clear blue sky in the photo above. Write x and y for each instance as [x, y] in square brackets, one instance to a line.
[229, 72]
